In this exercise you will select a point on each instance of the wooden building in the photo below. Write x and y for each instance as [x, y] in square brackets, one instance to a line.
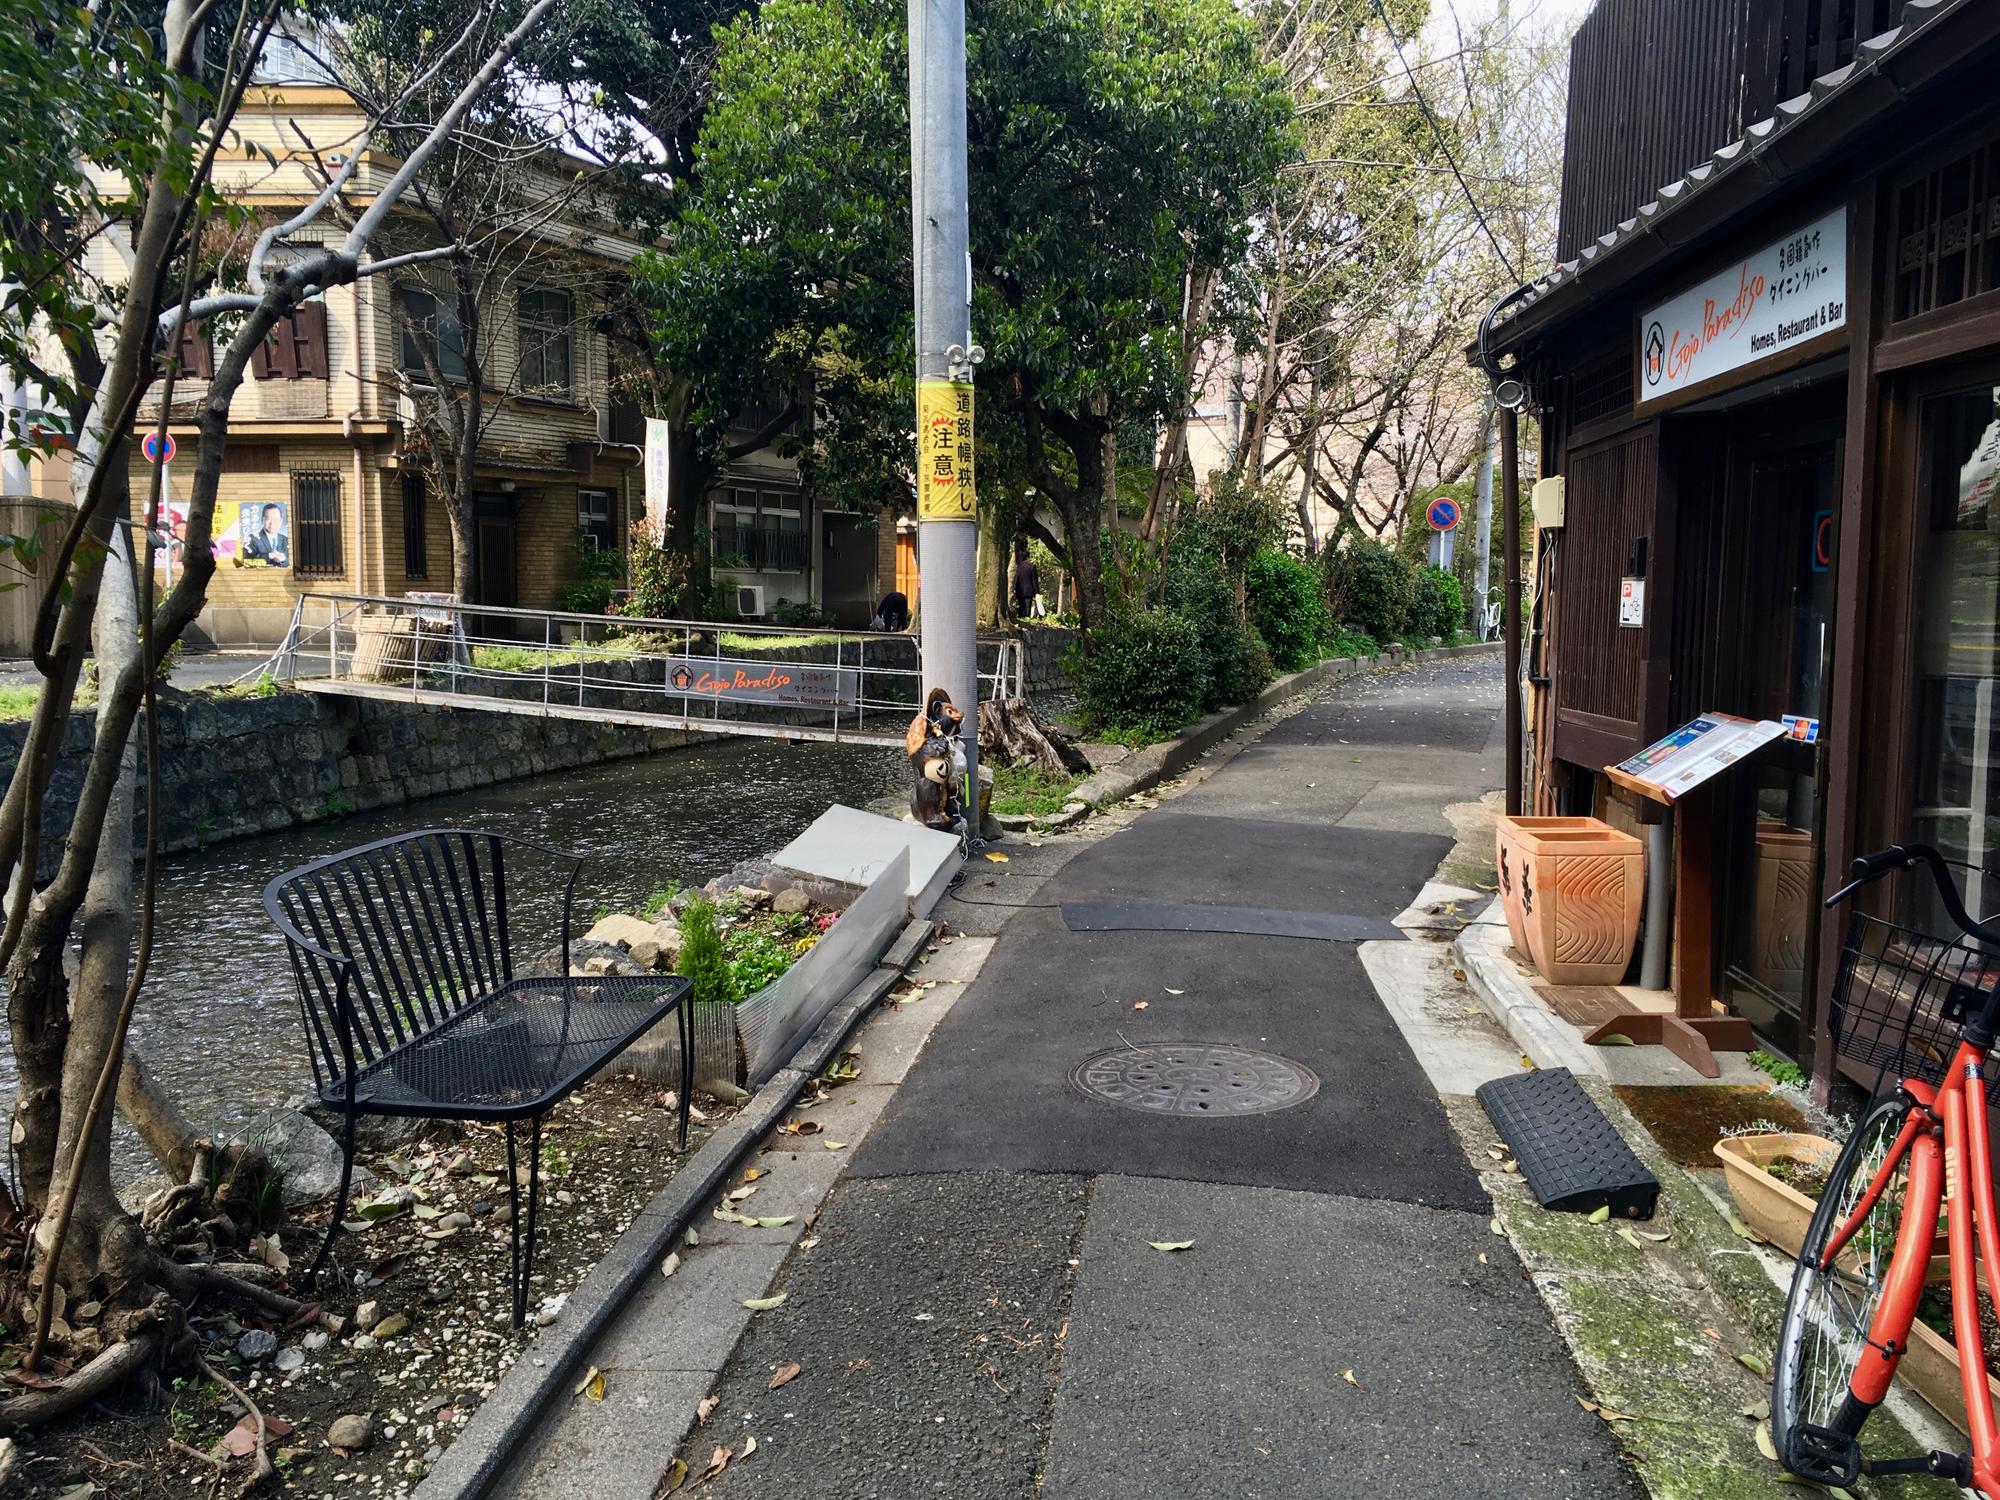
[1768, 374]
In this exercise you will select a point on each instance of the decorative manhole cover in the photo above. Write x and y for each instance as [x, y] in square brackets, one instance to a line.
[1194, 1078]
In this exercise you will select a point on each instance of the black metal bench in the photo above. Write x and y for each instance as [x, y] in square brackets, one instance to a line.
[406, 980]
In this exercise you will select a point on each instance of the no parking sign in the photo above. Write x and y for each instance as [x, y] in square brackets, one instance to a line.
[1443, 514]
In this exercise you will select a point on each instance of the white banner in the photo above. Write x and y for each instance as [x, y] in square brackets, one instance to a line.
[1788, 292]
[659, 433]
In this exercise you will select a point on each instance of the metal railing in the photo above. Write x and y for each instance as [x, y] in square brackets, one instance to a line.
[703, 675]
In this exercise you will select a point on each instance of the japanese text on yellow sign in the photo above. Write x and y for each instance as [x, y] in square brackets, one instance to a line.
[944, 451]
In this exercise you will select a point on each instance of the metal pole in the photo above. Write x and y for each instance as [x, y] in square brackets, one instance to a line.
[1482, 504]
[1510, 595]
[947, 529]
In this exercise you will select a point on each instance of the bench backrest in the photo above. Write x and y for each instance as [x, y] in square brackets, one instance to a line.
[392, 939]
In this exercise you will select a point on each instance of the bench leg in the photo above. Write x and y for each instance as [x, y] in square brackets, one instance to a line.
[339, 1201]
[687, 1067]
[522, 1266]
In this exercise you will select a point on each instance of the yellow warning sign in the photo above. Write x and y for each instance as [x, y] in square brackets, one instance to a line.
[944, 451]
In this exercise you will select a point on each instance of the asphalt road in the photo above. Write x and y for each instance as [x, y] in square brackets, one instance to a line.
[984, 1313]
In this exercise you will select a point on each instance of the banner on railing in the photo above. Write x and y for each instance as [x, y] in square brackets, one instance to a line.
[780, 684]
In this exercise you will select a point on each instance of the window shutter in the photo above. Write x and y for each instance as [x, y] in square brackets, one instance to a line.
[195, 354]
[272, 359]
[309, 341]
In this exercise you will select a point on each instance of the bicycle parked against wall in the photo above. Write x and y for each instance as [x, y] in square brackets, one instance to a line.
[1924, 1010]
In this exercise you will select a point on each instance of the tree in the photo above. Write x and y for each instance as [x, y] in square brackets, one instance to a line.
[177, 77]
[1109, 143]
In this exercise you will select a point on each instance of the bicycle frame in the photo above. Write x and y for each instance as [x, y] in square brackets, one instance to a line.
[1955, 1173]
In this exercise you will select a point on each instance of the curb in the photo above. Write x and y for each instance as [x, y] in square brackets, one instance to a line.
[509, 1415]
[1481, 951]
[1151, 764]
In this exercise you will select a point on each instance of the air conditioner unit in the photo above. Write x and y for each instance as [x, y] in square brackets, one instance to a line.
[749, 601]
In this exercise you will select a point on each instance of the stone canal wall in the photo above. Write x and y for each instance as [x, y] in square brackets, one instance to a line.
[230, 767]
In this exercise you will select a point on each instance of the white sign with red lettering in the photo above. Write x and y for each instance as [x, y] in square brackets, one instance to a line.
[1788, 292]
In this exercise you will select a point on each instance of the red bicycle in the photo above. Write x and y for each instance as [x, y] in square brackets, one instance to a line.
[1925, 1010]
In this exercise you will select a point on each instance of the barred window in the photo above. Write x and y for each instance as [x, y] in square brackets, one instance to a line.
[416, 561]
[596, 531]
[316, 519]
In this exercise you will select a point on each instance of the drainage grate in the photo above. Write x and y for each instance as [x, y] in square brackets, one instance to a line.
[1194, 1079]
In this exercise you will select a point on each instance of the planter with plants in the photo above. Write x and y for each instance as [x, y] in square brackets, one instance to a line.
[1932, 1365]
[1776, 1178]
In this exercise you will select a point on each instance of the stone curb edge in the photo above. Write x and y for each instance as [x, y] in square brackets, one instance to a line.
[1153, 764]
[507, 1418]
[1549, 1040]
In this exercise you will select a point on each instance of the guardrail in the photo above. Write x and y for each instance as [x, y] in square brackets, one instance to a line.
[693, 674]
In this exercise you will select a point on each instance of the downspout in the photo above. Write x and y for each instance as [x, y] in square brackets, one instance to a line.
[347, 430]
[1509, 395]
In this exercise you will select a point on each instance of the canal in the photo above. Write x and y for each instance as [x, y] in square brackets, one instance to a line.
[219, 1018]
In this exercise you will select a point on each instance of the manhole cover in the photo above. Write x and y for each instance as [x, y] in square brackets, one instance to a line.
[1194, 1078]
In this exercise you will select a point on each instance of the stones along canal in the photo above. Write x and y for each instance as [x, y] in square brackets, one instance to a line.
[219, 1018]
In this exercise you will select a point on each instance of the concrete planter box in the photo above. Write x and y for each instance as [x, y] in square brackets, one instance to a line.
[1573, 890]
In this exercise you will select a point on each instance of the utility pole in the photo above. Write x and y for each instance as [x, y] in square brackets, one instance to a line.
[1482, 552]
[947, 510]
[1510, 598]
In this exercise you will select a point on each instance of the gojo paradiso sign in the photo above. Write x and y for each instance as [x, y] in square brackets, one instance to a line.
[1788, 293]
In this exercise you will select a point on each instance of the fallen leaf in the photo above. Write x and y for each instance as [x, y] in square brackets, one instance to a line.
[1599, 1214]
[1139, 1004]
[1656, 1237]
[1630, 1238]
[1171, 1244]
[592, 1385]
[1756, 1411]
[1176, 992]
[765, 1304]
[1510, 1165]
[1754, 1363]
[808, 1242]
[1482, 1257]
[785, 1374]
[1615, 1039]
[717, 1462]
[676, 1476]
[737, 1195]
[749, 1447]
[1348, 1376]
[706, 1405]
[1498, 1153]
[693, 1236]
[998, 859]
[1764, 1444]
[671, 1264]
[834, 1145]
[241, 1440]
[753, 1174]
[773, 1221]
[1494, 1225]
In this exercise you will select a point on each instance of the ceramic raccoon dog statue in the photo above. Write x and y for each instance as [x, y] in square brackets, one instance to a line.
[937, 761]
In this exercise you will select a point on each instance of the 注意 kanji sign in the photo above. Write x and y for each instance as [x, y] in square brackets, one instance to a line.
[944, 451]
[1786, 294]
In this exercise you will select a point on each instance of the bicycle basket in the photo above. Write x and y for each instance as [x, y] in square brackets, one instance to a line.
[1901, 997]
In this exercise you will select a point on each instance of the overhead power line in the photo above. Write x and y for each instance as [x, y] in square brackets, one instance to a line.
[1438, 135]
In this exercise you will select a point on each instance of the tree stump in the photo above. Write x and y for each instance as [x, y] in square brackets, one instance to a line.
[1011, 735]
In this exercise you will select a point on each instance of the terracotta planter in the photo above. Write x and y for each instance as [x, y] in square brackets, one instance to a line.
[1932, 1368]
[1783, 909]
[1774, 1208]
[1580, 886]
[1509, 836]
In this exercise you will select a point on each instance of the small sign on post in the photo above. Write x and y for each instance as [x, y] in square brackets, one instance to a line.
[159, 447]
[1443, 514]
[944, 449]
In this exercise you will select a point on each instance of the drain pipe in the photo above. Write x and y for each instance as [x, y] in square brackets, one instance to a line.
[1659, 906]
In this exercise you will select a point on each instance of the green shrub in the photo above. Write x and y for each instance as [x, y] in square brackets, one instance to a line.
[1355, 643]
[1236, 665]
[1143, 670]
[1287, 608]
[1439, 607]
[663, 582]
[702, 960]
[1378, 588]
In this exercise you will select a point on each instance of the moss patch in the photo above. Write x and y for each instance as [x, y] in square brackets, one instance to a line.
[1687, 1120]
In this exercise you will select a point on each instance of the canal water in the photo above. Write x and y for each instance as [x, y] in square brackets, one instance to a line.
[219, 1018]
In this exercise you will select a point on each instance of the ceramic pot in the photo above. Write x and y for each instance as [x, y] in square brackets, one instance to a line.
[1580, 888]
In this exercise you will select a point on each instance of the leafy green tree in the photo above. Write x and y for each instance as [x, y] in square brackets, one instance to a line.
[1107, 141]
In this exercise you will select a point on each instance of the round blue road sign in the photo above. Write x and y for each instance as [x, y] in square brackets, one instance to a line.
[1444, 514]
[159, 447]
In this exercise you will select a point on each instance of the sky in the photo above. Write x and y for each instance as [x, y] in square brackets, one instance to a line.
[1568, 11]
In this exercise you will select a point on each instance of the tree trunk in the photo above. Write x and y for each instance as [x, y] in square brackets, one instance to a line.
[1082, 507]
[103, 1244]
[167, 1133]
[465, 460]
[464, 547]
[1011, 735]
[989, 589]
[1308, 464]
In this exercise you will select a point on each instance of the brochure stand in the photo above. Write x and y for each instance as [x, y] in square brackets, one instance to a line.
[1676, 772]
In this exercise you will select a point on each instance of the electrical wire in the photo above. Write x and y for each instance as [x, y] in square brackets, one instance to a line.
[1437, 134]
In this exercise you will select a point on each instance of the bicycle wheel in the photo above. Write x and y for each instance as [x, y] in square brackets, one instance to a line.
[1829, 1312]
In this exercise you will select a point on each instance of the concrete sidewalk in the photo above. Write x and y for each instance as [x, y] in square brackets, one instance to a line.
[979, 1309]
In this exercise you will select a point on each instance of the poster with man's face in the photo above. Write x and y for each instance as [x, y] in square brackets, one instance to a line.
[264, 534]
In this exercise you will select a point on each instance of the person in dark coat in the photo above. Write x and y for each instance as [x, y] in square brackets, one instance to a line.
[893, 613]
[1027, 580]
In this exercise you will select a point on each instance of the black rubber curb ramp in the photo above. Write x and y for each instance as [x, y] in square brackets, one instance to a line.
[1572, 1158]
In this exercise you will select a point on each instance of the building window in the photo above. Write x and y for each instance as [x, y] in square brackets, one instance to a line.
[544, 333]
[316, 523]
[416, 560]
[428, 325]
[596, 530]
[762, 529]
